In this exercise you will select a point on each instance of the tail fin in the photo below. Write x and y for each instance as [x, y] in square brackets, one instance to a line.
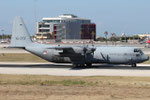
[20, 36]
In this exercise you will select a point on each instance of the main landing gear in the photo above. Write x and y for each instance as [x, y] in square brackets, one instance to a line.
[133, 65]
[83, 65]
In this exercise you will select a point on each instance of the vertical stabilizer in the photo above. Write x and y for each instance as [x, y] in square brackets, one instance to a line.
[20, 36]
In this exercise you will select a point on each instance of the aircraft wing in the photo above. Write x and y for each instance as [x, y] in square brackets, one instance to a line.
[60, 47]
[65, 50]
[76, 51]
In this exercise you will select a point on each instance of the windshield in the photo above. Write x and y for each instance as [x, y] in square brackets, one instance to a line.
[138, 51]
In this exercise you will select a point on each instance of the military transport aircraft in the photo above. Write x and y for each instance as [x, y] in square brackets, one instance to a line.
[77, 55]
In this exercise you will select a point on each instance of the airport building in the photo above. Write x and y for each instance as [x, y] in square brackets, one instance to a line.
[144, 35]
[66, 26]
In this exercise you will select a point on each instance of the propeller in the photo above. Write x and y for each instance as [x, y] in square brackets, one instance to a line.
[88, 50]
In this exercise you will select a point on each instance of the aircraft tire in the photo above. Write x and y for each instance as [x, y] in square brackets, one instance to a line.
[76, 65]
[89, 64]
[133, 65]
[82, 65]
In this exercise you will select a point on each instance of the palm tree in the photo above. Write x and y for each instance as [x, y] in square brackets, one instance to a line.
[106, 33]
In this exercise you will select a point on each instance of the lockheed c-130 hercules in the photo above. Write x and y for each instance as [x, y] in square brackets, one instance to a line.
[77, 55]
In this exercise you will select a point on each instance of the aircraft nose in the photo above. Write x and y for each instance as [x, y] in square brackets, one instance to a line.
[146, 57]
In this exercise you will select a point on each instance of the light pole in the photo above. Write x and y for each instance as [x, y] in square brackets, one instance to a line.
[2, 30]
[35, 15]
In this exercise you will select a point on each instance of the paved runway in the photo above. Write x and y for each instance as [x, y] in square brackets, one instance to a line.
[67, 70]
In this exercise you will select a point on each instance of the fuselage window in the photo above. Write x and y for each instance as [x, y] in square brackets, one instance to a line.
[136, 50]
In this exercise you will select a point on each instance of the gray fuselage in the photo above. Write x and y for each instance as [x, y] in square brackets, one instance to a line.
[102, 54]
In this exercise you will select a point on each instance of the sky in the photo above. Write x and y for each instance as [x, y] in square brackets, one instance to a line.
[114, 16]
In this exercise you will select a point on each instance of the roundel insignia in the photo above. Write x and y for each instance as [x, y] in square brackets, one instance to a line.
[45, 52]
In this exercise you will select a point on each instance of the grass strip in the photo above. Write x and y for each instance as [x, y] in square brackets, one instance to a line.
[45, 80]
[20, 57]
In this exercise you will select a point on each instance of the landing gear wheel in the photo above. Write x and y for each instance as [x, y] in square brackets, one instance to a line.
[89, 64]
[133, 65]
[82, 65]
[76, 65]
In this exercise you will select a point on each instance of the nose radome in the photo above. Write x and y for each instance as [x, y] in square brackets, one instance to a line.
[147, 57]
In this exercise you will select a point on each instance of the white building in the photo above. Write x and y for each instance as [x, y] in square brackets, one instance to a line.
[66, 26]
[144, 35]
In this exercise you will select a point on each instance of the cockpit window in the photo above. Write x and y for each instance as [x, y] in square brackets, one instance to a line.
[138, 51]
[141, 52]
